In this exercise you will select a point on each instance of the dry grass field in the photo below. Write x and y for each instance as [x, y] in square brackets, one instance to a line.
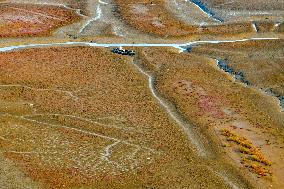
[124, 94]
[153, 17]
[19, 20]
[215, 101]
[83, 116]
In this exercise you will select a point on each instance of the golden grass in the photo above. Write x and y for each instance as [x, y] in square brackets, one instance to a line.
[253, 154]
[239, 140]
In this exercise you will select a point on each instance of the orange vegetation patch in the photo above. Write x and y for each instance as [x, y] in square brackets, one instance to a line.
[153, 17]
[252, 154]
[209, 98]
[33, 20]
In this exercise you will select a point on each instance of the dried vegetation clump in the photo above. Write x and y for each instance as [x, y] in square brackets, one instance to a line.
[253, 158]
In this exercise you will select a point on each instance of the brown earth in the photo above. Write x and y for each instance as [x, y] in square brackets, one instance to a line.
[211, 99]
[83, 116]
[153, 17]
[78, 4]
[19, 20]
[245, 5]
[261, 61]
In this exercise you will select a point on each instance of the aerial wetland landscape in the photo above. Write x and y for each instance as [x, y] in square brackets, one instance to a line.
[141, 94]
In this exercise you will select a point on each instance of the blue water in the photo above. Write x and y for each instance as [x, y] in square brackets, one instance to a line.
[281, 99]
[203, 7]
[237, 74]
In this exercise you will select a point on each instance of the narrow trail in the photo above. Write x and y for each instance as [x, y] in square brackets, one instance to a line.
[38, 13]
[188, 129]
[179, 46]
[79, 130]
[90, 21]
[105, 154]
[96, 16]
[193, 134]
